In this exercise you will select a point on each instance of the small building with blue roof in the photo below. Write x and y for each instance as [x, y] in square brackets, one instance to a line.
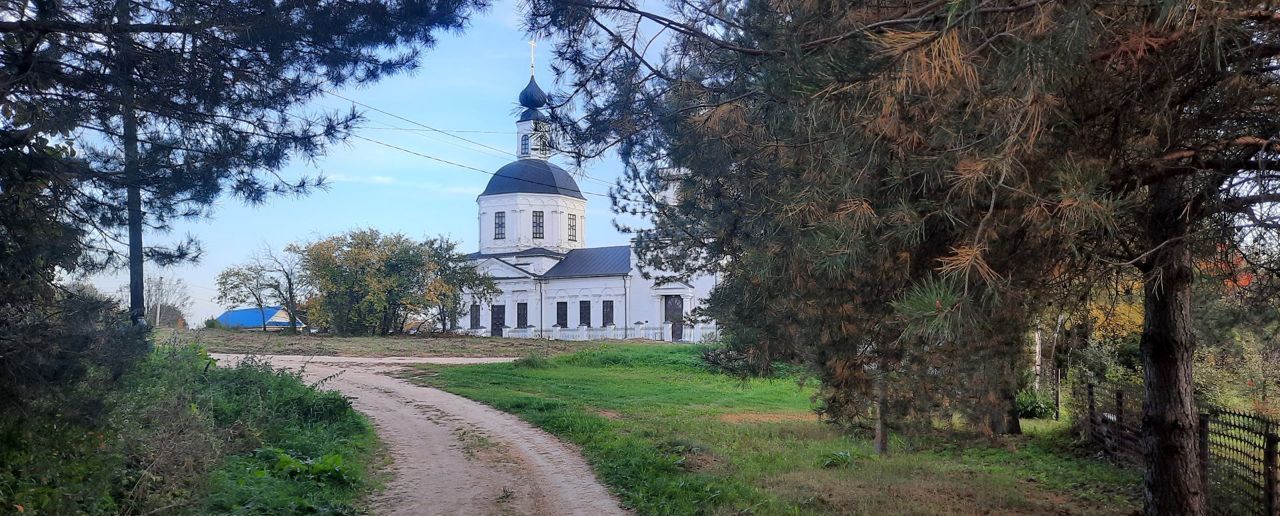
[251, 318]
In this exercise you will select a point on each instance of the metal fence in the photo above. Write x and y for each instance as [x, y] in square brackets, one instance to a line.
[1238, 451]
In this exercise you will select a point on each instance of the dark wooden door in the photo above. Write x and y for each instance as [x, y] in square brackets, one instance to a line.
[497, 319]
[674, 314]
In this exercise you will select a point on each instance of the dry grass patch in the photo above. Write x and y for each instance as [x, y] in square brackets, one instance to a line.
[767, 417]
[253, 342]
[608, 414]
[871, 486]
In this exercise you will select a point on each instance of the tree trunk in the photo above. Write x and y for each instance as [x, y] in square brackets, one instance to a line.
[1038, 356]
[291, 304]
[133, 177]
[262, 314]
[1012, 423]
[882, 408]
[1169, 423]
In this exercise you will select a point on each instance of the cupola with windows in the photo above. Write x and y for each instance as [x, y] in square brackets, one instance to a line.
[531, 203]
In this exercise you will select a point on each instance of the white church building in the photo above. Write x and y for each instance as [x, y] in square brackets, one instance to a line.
[533, 221]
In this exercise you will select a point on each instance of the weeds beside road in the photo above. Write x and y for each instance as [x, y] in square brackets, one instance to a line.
[178, 436]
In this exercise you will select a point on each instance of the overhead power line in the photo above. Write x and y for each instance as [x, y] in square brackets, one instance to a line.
[414, 122]
[462, 165]
[427, 128]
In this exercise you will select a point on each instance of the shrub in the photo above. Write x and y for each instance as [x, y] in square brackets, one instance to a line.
[532, 361]
[178, 435]
[730, 360]
[1034, 405]
[726, 360]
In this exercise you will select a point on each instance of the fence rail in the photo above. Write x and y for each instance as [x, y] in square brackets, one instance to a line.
[691, 333]
[1238, 451]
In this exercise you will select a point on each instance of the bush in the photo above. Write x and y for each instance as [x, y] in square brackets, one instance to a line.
[1034, 405]
[730, 360]
[532, 361]
[179, 435]
[725, 360]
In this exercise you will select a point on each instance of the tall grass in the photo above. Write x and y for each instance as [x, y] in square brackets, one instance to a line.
[182, 436]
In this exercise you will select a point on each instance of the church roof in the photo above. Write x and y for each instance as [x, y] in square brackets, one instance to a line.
[532, 96]
[593, 261]
[533, 251]
[532, 176]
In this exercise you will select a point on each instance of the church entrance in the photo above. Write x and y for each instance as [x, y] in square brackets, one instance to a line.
[497, 319]
[673, 312]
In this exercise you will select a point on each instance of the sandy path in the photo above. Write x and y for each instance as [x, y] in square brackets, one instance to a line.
[451, 455]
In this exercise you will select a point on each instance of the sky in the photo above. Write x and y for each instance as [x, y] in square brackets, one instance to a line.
[467, 82]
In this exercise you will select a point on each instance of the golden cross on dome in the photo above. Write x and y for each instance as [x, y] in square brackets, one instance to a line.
[532, 44]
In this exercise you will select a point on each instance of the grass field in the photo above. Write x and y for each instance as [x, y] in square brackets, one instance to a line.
[670, 437]
[253, 342]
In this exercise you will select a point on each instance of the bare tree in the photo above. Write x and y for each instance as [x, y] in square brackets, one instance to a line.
[243, 285]
[281, 274]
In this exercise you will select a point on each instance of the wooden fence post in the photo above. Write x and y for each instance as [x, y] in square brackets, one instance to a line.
[1269, 471]
[1093, 418]
[1203, 432]
[1119, 409]
[1057, 393]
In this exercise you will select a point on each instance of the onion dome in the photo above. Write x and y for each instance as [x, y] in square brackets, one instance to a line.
[532, 96]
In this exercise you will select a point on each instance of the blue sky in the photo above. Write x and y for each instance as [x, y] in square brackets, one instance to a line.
[468, 82]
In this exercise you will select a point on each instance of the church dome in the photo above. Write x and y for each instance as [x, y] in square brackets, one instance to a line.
[532, 114]
[532, 176]
[532, 96]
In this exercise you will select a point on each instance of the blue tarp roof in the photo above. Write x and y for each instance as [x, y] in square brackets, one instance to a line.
[593, 261]
[251, 317]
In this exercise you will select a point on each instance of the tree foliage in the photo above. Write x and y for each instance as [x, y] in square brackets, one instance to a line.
[283, 278]
[169, 105]
[245, 285]
[460, 281]
[368, 283]
[1008, 156]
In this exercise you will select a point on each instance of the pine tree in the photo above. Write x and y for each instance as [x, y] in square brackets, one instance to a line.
[1036, 149]
[169, 105]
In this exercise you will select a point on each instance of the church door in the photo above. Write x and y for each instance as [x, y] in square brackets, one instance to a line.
[497, 319]
[674, 314]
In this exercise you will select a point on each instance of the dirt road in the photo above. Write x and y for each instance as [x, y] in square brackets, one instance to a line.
[451, 455]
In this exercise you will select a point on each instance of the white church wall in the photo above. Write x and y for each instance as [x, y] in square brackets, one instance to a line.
[519, 208]
[647, 296]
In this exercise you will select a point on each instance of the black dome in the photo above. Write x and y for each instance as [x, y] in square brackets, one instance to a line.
[532, 114]
[532, 176]
[532, 96]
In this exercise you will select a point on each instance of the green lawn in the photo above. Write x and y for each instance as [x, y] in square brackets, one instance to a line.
[671, 437]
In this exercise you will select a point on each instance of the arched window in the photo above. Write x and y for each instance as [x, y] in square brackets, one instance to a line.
[524, 144]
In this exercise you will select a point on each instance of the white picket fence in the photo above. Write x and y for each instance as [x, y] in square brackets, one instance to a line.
[695, 333]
